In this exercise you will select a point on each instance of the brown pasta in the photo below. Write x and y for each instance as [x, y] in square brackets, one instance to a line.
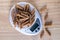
[26, 7]
[33, 11]
[48, 23]
[46, 16]
[19, 7]
[43, 8]
[42, 33]
[48, 31]
[23, 16]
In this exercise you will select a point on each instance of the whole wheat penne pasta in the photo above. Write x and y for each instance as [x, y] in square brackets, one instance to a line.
[33, 11]
[20, 15]
[32, 21]
[32, 16]
[26, 8]
[42, 33]
[43, 8]
[25, 23]
[46, 16]
[48, 31]
[24, 15]
[19, 7]
[22, 20]
[48, 23]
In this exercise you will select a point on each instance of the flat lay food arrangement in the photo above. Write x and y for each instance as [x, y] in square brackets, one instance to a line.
[35, 20]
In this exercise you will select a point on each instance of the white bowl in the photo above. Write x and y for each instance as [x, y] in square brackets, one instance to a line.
[26, 31]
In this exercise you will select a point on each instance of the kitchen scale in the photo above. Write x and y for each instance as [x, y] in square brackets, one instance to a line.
[35, 28]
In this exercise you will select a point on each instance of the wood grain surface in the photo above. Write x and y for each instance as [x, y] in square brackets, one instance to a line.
[9, 33]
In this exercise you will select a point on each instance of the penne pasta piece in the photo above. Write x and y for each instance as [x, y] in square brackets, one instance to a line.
[42, 33]
[26, 8]
[43, 8]
[22, 20]
[33, 11]
[48, 23]
[46, 16]
[48, 31]
[26, 16]
[31, 21]
[25, 23]
[19, 7]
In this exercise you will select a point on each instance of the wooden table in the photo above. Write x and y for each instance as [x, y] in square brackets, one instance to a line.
[9, 33]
